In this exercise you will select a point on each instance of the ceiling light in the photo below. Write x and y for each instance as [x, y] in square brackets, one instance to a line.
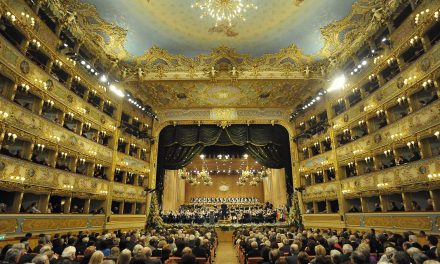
[116, 91]
[364, 62]
[338, 83]
[83, 62]
[224, 11]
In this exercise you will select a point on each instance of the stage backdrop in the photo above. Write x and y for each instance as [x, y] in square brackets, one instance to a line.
[221, 181]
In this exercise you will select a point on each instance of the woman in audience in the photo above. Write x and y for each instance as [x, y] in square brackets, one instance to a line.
[124, 257]
[97, 258]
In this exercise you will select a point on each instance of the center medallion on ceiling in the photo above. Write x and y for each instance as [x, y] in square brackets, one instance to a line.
[222, 95]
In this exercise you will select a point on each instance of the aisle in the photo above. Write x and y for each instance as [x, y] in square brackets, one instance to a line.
[225, 254]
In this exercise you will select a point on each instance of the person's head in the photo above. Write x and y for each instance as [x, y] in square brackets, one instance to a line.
[115, 251]
[40, 259]
[347, 249]
[432, 240]
[69, 252]
[124, 257]
[13, 255]
[412, 238]
[357, 257]
[274, 255]
[419, 258]
[389, 252]
[294, 249]
[137, 249]
[97, 258]
[412, 251]
[186, 250]
[320, 250]
[254, 244]
[303, 258]
[188, 259]
[400, 257]
[335, 256]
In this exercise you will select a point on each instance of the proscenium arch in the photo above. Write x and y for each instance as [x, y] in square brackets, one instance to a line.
[163, 122]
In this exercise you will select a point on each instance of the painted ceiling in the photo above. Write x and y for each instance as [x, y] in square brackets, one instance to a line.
[239, 94]
[174, 26]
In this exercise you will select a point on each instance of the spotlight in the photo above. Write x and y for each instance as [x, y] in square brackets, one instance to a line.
[115, 90]
[83, 62]
[103, 78]
[338, 83]
[364, 62]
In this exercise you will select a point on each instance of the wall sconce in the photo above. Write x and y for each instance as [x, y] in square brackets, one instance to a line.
[72, 61]
[382, 185]
[368, 160]
[350, 164]
[24, 87]
[428, 84]
[414, 41]
[387, 152]
[69, 116]
[28, 19]
[11, 17]
[340, 100]
[103, 133]
[103, 192]
[316, 144]
[434, 176]
[77, 78]
[49, 104]
[423, 16]
[346, 131]
[346, 191]
[3, 115]
[144, 150]
[63, 155]
[11, 137]
[307, 176]
[133, 145]
[436, 15]
[410, 144]
[331, 169]
[68, 186]
[380, 113]
[396, 136]
[372, 77]
[57, 139]
[35, 43]
[121, 140]
[82, 161]
[437, 134]
[99, 166]
[40, 147]
[357, 151]
[361, 123]
[410, 80]
[391, 61]
[87, 126]
[58, 63]
[18, 178]
[93, 153]
[377, 59]
[304, 149]
[402, 100]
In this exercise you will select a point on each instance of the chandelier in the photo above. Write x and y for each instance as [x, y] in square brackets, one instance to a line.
[224, 11]
[251, 176]
[196, 177]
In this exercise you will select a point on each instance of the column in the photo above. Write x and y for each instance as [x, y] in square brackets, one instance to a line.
[364, 205]
[16, 204]
[435, 197]
[121, 207]
[67, 204]
[406, 198]
[87, 206]
[43, 202]
[384, 202]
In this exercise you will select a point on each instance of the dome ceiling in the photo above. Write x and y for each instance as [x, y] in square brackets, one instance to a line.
[177, 28]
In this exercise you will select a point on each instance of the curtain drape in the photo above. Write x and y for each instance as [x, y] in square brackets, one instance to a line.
[267, 144]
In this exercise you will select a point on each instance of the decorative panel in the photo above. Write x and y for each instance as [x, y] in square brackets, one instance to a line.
[42, 177]
[401, 222]
[134, 164]
[421, 120]
[321, 191]
[353, 220]
[8, 225]
[37, 224]
[129, 192]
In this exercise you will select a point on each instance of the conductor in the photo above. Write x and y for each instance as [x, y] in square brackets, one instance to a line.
[224, 209]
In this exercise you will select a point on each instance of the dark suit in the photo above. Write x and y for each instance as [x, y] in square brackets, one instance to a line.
[253, 253]
[416, 245]
[292, 259]
[431, 253]
[152, 261]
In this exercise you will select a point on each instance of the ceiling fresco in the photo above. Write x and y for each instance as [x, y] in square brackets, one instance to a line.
[243, 93]
[176, 27]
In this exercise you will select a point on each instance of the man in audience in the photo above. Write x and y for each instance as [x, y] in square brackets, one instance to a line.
[432, 243]
[294, 251]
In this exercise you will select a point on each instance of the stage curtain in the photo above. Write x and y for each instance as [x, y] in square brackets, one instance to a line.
[267, 144]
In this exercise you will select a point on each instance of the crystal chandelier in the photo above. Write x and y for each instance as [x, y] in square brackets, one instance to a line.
[224, 11]
[250, 176]
[196, 177]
